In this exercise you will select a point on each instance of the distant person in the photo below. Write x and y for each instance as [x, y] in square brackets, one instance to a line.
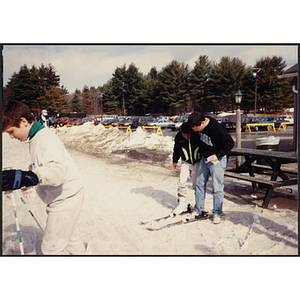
[43, 118]
[216, 143]
[186, 147]
[55, 175]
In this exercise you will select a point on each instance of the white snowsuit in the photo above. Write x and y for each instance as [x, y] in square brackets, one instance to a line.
[61, 188]
[187, 171]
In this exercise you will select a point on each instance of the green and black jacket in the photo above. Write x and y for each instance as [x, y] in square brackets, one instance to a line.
[188, 150]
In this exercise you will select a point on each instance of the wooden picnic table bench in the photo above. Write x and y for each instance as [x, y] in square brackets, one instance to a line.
[274, 161]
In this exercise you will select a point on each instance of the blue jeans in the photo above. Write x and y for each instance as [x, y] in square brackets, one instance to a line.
[217, 173]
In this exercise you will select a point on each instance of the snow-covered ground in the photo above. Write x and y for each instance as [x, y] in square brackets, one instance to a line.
[129, 178]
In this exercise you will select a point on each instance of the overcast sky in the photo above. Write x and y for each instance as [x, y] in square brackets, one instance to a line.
[93, 65]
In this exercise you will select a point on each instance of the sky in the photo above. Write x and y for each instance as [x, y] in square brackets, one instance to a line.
[93, 65]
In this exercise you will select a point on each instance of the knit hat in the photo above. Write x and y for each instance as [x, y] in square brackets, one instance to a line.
[185, 128]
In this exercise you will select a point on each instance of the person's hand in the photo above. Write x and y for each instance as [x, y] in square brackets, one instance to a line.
[175, 166]
[15, 179]
[213, 158]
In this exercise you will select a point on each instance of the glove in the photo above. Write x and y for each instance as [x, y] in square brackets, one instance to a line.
[15, 179]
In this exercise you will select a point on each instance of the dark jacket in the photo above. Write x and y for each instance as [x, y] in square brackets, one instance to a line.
[215, 139]
[39, 119]
[188, 150]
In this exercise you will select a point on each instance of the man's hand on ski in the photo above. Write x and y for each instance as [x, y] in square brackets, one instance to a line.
[15, 179]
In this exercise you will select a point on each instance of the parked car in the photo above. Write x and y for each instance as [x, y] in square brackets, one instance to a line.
[53, 123]
[177, 125]
[96, 121]
[288, 118]
[267, 119]
[108, 117]
[142, 121]
[72, 121]
[127, 122]
[109, 122]
[60, 122]
[118, 122]
[161, 123]
[84, 120]
[228, 122]
[250, 120]
[214, 116]
[279, 120]
[176, 119]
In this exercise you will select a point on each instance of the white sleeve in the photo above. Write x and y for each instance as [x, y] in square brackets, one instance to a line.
[50, 162]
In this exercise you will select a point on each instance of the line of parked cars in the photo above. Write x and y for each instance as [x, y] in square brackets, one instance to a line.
[174, 123]
[71, 121]
[229, 122]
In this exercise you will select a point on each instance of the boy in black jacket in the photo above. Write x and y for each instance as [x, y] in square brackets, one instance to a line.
[215, 143]
[187, 147]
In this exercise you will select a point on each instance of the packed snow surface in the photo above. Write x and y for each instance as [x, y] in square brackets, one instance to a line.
[129, 178]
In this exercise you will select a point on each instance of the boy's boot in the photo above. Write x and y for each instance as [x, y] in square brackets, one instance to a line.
[182, 206]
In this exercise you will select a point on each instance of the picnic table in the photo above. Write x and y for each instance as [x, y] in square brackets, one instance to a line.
[274, 162]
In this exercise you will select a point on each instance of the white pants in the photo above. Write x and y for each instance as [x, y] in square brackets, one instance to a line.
[59, 237]
[187, 171]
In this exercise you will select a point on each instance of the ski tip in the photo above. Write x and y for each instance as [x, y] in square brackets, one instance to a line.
[152, 228]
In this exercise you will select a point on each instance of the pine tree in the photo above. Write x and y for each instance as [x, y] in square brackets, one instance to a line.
[134, 87]
[173, 86]
[150, 92]
[110, 105]
[226, 77]
[198, 82]
[30, 85]
[87, 101]
[19, 86]
[119, 89]
[75, 102]
[272, 93]
[57, 102]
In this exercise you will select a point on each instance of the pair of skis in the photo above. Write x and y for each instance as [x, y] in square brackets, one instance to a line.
[159, 223]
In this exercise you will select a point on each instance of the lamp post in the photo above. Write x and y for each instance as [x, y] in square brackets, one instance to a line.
[255, 71]
[238, 99]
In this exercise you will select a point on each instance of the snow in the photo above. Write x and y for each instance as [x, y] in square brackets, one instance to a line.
[129, 178]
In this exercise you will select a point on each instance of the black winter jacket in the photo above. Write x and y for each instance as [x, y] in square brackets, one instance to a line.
[188, 150]
[215, 139]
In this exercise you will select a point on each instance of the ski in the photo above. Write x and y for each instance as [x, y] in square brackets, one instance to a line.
[157, 220]
[182, 221]
[171, 215]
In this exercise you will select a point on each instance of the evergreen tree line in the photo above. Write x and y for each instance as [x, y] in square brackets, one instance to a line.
[38, 88]
[176, 89]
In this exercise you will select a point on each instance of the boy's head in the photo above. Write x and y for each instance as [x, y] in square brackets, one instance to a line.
[186, 130]
[196, 121]
[17, 120]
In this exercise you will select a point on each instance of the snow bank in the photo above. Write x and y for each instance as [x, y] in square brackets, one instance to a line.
[98, 140]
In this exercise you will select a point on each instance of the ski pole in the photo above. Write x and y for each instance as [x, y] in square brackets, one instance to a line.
[31, 213]
[17, 223]
[223, 240]
[245, 244]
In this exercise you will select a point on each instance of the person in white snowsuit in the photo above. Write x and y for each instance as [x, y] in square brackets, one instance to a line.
[186, 147]
[57, 179]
